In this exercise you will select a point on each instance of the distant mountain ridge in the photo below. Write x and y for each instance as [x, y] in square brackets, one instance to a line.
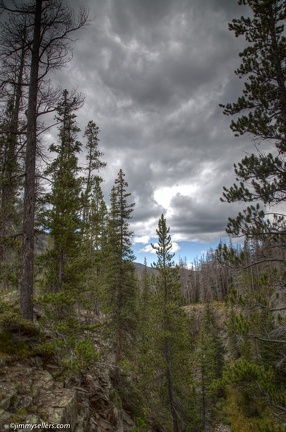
[140, 268]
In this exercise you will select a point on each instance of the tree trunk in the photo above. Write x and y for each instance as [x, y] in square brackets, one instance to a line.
[203, 396]
[26, 288]
[170, 389]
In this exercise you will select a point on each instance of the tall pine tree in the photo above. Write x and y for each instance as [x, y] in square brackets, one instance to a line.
[260, 112]
[62, 220]
[49, 26]
[122, 290]
[172, 338]
[63, 266]
[94, 163]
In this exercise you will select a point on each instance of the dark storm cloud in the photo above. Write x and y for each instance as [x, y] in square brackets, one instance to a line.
[157, 65]
[154, 73]
[128, 14]
[199, 219]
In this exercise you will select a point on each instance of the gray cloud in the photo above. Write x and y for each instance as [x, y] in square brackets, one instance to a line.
[154, 73]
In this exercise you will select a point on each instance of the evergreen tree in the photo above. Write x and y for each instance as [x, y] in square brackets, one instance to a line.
[94, 247]
[209, 354]
[260, 112]
[63, 266]
[94, 218]
[147, 359]
[256, 372]
[145, 306]
[122, 294]
[62, 220]
[50, 25]
[94, 164]
[171, 343]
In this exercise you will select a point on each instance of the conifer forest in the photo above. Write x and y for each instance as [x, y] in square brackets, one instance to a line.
[188, 348]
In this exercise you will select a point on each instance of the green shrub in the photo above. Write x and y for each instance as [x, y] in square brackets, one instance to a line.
[11, 347]
[85, 355]
[12, 322]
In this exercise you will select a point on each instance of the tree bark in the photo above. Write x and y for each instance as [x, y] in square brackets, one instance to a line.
[170, 388]
[26, 287]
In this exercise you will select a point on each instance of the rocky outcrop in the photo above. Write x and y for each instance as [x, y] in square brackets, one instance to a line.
[30, 393]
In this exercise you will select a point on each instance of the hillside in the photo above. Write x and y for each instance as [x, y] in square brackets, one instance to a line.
[35, 387]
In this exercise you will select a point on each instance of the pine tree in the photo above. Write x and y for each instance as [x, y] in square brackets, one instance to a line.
[63, 265]
[94, 247]
[171, 343]
[146, 355]
[94, 164]
[94, 218]
[257, 373]
[209, 354]
[62, 220]
[122, 292]
[260, 112]
[50, 26]
[145, 305]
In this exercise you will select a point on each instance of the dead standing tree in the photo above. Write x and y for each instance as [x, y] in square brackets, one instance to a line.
[52, 24]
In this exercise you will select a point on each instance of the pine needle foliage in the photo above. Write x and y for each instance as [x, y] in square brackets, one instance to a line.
[260, 112]
[121, 286]
[169, 379]
[63, 265]
[61, 220]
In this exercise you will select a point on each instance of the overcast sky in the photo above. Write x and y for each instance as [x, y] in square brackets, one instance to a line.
[153, 73]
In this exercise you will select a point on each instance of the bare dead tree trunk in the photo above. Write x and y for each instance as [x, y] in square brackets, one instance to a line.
[19, 83]
[26, 287]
